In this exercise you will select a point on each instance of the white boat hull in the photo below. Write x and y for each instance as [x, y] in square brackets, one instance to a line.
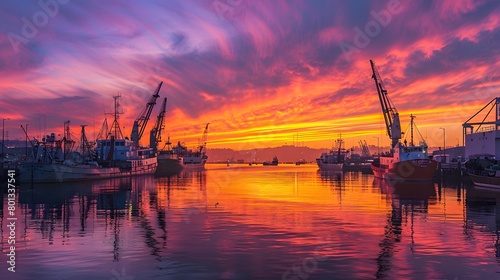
[56, 173]
[329, 166]
[193, 163]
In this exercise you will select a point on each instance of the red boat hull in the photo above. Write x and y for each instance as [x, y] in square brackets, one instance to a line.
[410, 170]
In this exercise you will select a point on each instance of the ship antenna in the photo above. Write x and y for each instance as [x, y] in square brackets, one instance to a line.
[115, 127]
[411, 129]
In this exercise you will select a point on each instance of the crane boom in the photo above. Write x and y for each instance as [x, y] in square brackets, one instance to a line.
[141, 121]
[367, 150]
[391, 115]
[364, 148]
[204, 139]
[155, 135]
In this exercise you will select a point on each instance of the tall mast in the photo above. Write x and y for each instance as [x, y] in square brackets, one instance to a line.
[411, 129]
[67, 142]
[339, 141]
[115, 126]
[83, 141]
[103, 133]
[86, 146]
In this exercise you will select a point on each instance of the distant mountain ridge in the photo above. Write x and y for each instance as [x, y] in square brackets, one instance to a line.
[285, 153]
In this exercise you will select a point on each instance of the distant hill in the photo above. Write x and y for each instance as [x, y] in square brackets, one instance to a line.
[284, 154]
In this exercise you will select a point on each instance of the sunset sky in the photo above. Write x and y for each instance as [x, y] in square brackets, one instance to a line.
[258, 71]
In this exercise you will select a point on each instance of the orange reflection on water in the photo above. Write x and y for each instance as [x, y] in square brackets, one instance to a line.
[259, 221]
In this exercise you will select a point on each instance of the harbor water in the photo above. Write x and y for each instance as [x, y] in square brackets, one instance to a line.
[253, 222]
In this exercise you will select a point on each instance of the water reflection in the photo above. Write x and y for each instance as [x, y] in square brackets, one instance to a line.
[483, 213]
[406, 199]
[257, 223]
[331, 176]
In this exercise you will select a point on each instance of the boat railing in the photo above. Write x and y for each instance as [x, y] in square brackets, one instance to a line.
[486, 128]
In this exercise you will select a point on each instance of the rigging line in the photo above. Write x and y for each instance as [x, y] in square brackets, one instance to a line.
[406, 130]
[415, 125]
[485, 117]
[419, 132]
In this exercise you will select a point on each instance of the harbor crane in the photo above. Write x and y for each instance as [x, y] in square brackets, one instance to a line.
[155, 134]
[391, 115]
[203, 144]
[365, 151]
[141, 121]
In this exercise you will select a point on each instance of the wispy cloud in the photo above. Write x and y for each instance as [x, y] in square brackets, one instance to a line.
[265, 66]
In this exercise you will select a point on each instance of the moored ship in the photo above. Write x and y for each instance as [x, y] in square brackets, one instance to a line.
[178, 158]
[127, 154]
[274, 162]
[334, 160]
[183, 158]
[168, 162]
[405, 161]
[114, 156]
[53, 161]
[194, 159]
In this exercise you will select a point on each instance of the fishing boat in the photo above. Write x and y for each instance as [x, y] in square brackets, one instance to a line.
[194, 160]
[334, 160]
[174, 160]
[169, 163]
[128, 155]
[191, 159]
[274, 162]
[405, 161]
[300, 161]
[180, 158]
[52, 163]
[111, 156]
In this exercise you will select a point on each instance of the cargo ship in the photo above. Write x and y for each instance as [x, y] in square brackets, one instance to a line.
[274, 162]
[334, 160]
[405, 161]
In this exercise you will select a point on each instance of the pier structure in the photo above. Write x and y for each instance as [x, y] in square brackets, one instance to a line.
[483, 138]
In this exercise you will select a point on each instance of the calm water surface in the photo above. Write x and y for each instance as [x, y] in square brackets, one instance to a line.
[254, 222]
